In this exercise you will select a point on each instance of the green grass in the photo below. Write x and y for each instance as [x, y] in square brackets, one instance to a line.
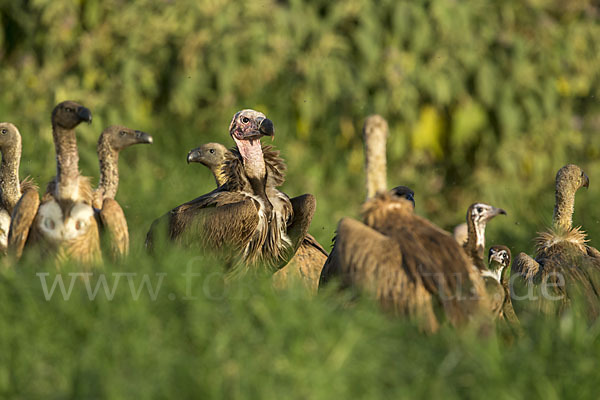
[246, 340]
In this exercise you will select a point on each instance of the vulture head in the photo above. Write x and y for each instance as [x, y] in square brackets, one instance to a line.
[498, 259]
[478, 216]
[9, 136]
[569, 179]
[69, 114]
[250, 125]
[120, 137]
[210, 155]
[406, 192]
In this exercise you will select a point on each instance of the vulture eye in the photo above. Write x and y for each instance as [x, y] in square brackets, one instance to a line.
[122, 133]
[68, 109]
[479, 210]
[4, 131]
[212, 151]
[245, 120]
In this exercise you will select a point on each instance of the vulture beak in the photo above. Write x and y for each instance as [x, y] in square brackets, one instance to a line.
[84, 114]
[194, 155]
[143, 137]
[497, 257]
[266, 128]
[492, 212]
[586, 181]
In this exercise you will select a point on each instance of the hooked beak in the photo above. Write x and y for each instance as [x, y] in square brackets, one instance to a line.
[494, 212]
[84, 114]
[194, 155]
[266, 127]
[586, 181]
[143, 137]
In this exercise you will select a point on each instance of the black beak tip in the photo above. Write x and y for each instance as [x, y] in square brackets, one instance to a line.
[502, 212]
[586, 182]
[144, 137]
[267, 128]
[85, 114]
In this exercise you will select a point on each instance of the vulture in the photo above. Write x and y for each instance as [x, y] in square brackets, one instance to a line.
[109, 213]
[460, 233]
[411, 266]
[10, 187]
[565, 267]
[310, 256]
[497, 283]
[63, 223]
[478, 215]
[247, 214]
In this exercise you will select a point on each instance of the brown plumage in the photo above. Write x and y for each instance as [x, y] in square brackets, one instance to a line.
[10, 187]
[308, 261]
[565, 267]
[64, 223]
[111, 217]
[408, 264]
[248, 214]
[497, 283]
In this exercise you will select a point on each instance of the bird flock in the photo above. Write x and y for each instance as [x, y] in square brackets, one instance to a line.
[412, 267]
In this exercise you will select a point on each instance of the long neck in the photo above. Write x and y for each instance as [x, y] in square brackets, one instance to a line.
[475, 245]
[563, 210]
[220, 177]
[109, 169]
[9, 175]
[375, 158]
[254, 167]
[67, 161]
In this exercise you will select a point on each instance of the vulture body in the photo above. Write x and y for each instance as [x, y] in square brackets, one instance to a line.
[565, 267]
[247, 214]
[10, 186]
[308, 261]
[497, 283]
[63, 223]
[110, 214]
[410, 265]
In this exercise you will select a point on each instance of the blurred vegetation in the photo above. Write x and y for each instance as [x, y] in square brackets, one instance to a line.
[485, 100]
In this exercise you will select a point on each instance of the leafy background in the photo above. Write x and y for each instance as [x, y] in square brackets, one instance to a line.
[485, 101]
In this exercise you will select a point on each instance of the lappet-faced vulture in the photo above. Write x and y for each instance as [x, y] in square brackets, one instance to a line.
[111, 217]
[310, 256]
[11, 188]
[63, 223]
[247, 214]
[565, 267]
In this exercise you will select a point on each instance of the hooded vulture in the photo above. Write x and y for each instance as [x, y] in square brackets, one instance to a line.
[478, 215]
[410, 265]
[247, 214]
[111, 217]
[310, 257]
[63, 223]
[497, 283]
[10, 187]
[565, 267]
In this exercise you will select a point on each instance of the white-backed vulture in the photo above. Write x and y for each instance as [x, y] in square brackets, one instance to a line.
[410, 265]
[111, 217]
[565, 267]
[247, 214]
[308, 261]
[63, 223]
[11, 188]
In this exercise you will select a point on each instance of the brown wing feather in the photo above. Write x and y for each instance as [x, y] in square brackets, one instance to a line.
[28, 184]
[114, 223]
[366, 259]
[22, 218]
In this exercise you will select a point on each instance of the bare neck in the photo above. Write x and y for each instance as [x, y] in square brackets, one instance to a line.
[67, 161]
[9, 175]
[252, 155]
[563, 210]
[109, 169]
[475, 245]
[375, 158]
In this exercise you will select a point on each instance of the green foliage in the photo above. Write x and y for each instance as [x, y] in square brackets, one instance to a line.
[485, 101]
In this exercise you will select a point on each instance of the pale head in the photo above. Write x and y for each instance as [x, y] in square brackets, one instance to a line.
[119, 137]
[9, 135]
[571, 178]
[250, 125]
[499, 257]
[211, 155]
